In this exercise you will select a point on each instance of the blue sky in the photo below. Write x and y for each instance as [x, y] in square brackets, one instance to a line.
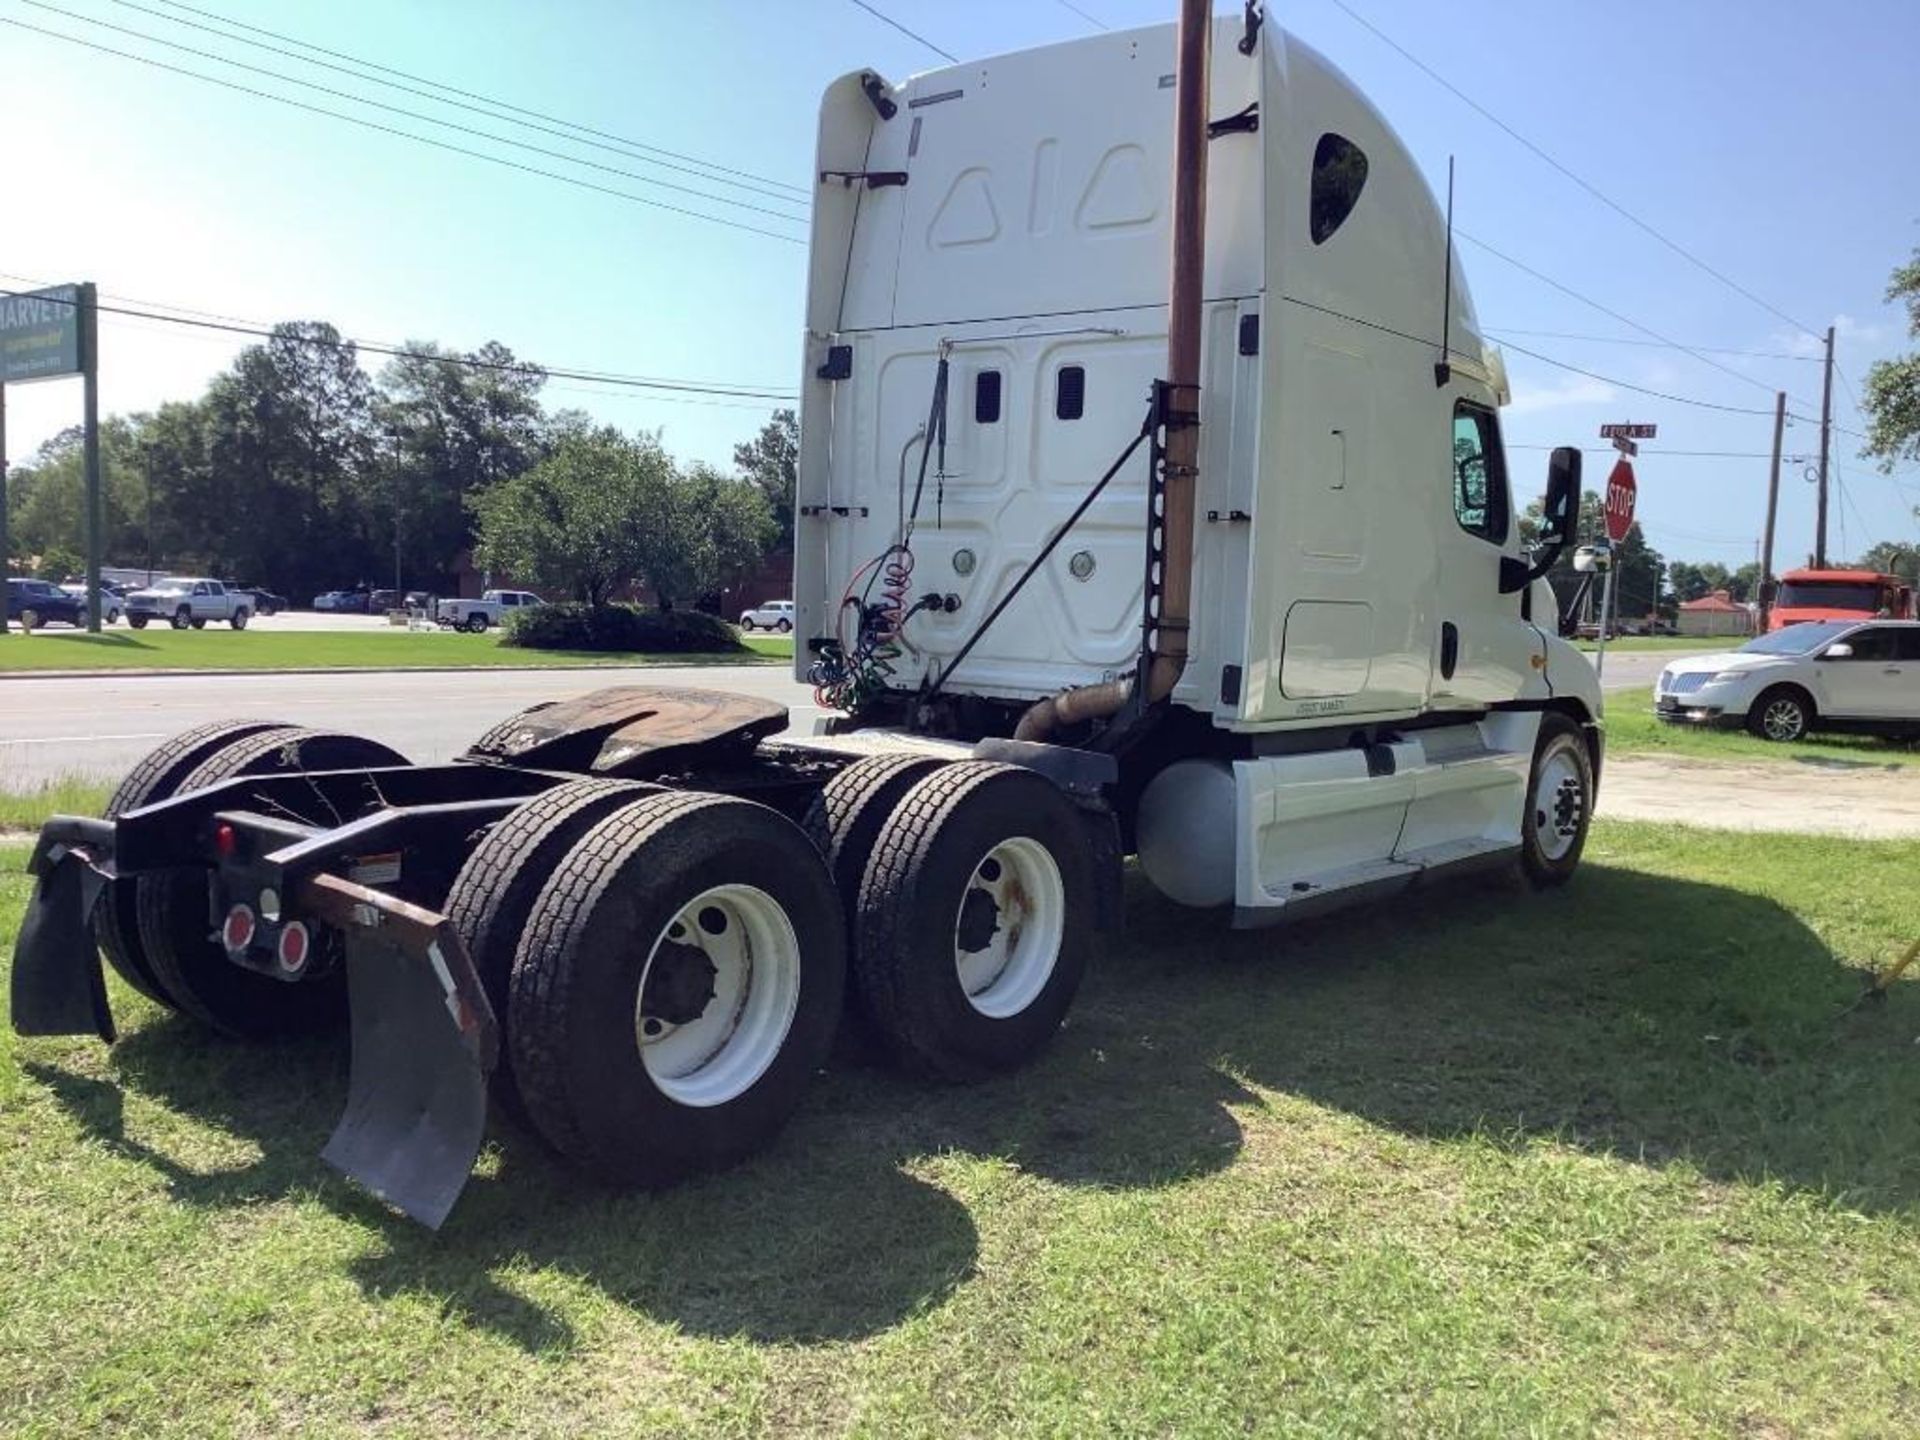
[1773, 140]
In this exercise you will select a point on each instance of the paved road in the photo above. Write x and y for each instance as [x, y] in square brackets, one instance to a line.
[100, 726]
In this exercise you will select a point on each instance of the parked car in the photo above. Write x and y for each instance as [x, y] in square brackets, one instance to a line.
[265, 602]
[492, 608]
[381, 601]
[112, 606]
[1822, 675]
[37, 602]
[348, 602]
[774, 615]
[183, 600]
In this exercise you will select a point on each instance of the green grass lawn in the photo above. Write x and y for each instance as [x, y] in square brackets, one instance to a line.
[24, 810]
[1633, 730]
[1603, 1161]
[1686, 644]
[262, 648]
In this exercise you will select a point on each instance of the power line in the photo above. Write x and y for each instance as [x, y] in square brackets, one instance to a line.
[1665, 454]
[1092, 20]
[1615, 314]
[1585, 185]
[456, 90]
[468, 362]
[1652, 344]
[366, 124]
[885, 19]
[1639, 389]
[419, 115]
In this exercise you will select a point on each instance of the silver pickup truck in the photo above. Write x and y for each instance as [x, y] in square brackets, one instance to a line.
[492, 608]
[188, 600]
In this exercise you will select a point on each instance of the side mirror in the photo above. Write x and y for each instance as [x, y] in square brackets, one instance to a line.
[1557, 513]
[1839, 650]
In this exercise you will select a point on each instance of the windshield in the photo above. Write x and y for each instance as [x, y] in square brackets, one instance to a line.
[1798, 639]
[1829, 595]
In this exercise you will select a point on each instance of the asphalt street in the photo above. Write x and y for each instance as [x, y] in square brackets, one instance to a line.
[99, 726]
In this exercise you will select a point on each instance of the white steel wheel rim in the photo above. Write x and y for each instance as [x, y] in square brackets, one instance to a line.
[1020, 879]
[1559, 804]
[1782, 720]
[744, 934]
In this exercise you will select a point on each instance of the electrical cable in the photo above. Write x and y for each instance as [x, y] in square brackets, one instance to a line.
[886, 19]
[1654, 344]
[468, 362]
[1585, 185]
[406, 134]
[1092, 20]
[453, 125]
[468, 94]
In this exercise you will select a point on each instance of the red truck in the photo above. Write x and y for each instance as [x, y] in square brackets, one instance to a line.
[1840, 595]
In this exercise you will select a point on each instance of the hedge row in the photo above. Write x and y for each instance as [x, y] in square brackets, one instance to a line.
[571, 626]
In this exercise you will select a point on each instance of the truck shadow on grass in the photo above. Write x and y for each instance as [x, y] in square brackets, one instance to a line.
[1650, 1018]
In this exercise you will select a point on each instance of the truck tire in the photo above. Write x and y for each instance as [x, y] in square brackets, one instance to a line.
[977, 913]
[182, 618]
[494, 740]
[172, 905]
[783, 625]
[678, 984]
[116, 920]
[477, 624]
[495, 890]
[238, 620]
[1559, 806]
[198, 623]
[138, 622]
[843, 822]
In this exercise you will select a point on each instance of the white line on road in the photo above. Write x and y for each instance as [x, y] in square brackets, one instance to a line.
[82, 739]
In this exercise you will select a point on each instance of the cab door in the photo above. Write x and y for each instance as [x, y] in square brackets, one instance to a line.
[1483, 649]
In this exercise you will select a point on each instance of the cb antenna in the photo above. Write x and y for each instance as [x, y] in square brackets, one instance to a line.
[1442, 368]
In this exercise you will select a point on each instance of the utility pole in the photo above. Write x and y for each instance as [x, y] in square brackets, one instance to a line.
[149, 526]
[6, 564]
[1826, 442]
[1773, 509]
[90, 445]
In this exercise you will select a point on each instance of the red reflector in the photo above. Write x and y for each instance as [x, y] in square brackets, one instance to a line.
[224, 840]
[294, 945]
[237, 933]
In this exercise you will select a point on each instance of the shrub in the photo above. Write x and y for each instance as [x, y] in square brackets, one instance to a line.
[572, 626]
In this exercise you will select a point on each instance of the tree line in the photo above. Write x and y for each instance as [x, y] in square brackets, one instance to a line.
[298, 471]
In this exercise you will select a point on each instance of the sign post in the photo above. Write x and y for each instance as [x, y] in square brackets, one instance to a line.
[48, 335]
[6, 548]
[1622, 490]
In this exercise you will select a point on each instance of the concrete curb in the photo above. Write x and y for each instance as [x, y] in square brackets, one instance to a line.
[133, 674]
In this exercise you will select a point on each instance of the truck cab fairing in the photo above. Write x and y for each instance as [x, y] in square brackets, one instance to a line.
[1333, 575]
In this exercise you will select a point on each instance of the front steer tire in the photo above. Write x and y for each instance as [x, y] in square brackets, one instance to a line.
[977, 857]
[603, 935]
[176, 929]
[1559, 803]
[1783, 714]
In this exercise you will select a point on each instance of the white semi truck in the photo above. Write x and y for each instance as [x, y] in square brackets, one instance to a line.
[1151, 502]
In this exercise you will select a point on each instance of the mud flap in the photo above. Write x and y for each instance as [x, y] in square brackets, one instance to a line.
[424, 1043]
[58, 987]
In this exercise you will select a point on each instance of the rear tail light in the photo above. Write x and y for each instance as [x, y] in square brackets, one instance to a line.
[294, 948]
[237, 933]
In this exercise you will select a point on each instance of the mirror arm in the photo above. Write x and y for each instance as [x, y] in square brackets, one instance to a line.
[1517, 575]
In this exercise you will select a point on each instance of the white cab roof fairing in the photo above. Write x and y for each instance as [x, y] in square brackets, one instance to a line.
[1387, 264]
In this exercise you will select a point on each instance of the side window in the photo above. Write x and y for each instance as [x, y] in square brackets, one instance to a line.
[1339, 175]
[1871, 644]
[200, 589]
[214, 587]
[1906, 643]
[986, 398]
[1070, 394]
[1479, 474]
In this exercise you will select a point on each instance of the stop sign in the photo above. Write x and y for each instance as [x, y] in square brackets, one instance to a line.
[1620, 495]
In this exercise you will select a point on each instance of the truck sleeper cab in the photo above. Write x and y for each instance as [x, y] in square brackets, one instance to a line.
[986, 320]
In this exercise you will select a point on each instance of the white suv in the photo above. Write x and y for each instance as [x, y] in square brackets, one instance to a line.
[1859, 675]
[774, 615]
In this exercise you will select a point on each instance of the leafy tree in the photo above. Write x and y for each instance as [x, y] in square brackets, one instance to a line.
[1891, 557]
[448, 430]
[582, 521]
[1744, 584]
[771, 460]
[1892, 394]
[58, 563]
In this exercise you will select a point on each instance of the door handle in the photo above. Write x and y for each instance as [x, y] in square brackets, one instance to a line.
[1449, 648]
